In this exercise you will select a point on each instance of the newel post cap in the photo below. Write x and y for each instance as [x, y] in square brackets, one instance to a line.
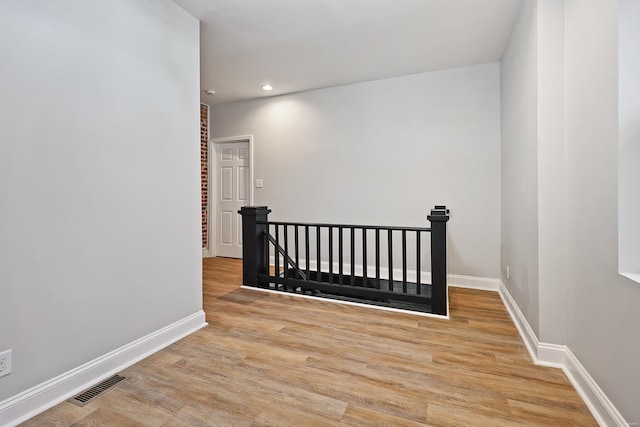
[254, 210]
[439, 213]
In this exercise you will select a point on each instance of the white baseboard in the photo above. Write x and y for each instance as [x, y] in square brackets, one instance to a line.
[561, 356]
[473, 282]
[553, 355]
[35, 400]
[526, 333]
[601, 407]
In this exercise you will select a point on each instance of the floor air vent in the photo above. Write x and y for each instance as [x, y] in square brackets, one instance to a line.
[89, 394]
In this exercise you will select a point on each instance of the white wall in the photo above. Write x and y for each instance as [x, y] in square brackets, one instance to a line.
[629, 137]
[603, 315]
[519, 159]
[99, 179]
[384, 152]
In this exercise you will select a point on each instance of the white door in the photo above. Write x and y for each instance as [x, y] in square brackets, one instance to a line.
[232, 192]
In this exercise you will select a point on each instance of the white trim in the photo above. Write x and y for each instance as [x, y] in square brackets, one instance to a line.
[561, 356]
[631, 276]
[357, 304]
[473, 282]
[552, 355]
[212, 193]
[602, 409]
[207, 253]
[526, 333]
[35, 400]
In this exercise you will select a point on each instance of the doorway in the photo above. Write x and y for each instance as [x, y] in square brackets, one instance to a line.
[231, 180]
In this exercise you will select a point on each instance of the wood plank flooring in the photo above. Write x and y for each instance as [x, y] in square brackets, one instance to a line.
[278, 360]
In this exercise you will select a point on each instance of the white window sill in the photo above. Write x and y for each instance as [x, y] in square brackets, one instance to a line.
[633, 276]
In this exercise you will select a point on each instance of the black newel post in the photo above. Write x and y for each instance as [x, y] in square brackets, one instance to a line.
[438, 218]
[254, 243]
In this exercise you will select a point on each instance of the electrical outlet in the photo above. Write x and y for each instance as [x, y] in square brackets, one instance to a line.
[508, 273]
[634, 424]
[5, 363]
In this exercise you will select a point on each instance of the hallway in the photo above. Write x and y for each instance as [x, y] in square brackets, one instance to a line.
[268, 359]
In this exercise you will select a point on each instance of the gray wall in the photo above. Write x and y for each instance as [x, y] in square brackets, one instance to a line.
[519, 157]
[533, 168]
[99, 179]
[552, 196]
[559, 116]
[603, 315]
[384, 152]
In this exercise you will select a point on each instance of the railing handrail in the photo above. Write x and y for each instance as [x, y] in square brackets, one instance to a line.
[368, 227]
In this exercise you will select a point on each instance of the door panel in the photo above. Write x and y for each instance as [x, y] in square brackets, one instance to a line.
[226, 183]
[233, 162]
[226, 219]
[243, 183]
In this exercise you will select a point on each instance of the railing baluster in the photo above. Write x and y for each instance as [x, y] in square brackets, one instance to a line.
[377, 258]
[277, 254]
[306, 250]
[296, 246]
[390, 251]
[286, 250]
[318, 255]
[365, 280]
[353, 256]
[268, 257]
[330, 254]
[418, 289]
[404, 261]
[340, 256]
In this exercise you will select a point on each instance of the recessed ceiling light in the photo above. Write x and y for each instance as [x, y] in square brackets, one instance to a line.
[267, 87]
[211, 92]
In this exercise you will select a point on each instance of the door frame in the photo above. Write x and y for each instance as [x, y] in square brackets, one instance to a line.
[212, 149]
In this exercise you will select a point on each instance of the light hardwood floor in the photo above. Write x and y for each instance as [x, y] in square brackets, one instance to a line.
[272, 360]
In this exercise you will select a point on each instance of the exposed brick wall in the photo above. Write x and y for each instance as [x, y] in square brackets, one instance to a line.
[204, 170]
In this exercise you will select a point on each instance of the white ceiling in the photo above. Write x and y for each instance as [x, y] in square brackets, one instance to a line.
[297, 45]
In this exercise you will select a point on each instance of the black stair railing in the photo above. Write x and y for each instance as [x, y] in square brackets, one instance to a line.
[267, 244]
